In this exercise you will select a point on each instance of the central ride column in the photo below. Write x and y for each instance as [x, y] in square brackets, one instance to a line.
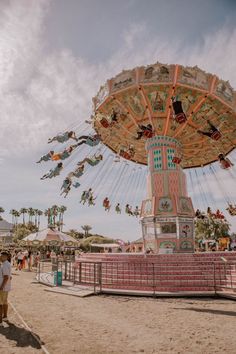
[167, 215]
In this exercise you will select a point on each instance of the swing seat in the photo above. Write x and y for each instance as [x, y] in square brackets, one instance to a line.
[226, 165]
[176, 160]
[104, 122]
[148, 134]
[180, 118]
[216, 135]
[125, 155]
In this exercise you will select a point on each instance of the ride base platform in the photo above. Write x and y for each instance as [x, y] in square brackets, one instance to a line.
[159, 275]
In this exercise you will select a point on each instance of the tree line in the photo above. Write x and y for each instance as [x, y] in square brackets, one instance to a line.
[32, 216]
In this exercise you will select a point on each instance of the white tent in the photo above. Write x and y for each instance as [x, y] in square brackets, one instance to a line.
[51, 237]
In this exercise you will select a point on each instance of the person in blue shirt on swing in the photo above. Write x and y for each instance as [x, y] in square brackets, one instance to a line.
[63, 137]
[91, 140]
[53, 172]
[92, 161]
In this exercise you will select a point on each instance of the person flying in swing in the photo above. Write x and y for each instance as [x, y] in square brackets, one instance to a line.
[91, 200]
[128, 209]
[91, 140]
[213, 131]
[66, 187]
[106, 204]
[78, 172]
[136, 211]
[117, 208]
[46, 157]
[53, 172]
[92, 161]
[114, 116]
[64, 154]
[231, 209]
[179, 115]
[143, 130]
[86, 195]
[225, 162]
[63, 137]
[83, 198]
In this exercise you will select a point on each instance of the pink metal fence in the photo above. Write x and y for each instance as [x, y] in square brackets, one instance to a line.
[153, 277]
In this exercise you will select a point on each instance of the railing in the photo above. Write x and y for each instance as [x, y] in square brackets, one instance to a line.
[45, 268]
[226, 272]
[145, 276]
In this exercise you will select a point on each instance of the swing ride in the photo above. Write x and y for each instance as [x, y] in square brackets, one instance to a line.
[160, 119]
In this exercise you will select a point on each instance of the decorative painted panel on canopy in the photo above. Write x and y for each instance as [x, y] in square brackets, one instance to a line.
[143, 95]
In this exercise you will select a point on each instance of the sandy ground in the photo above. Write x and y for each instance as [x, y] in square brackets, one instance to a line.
[110, 324]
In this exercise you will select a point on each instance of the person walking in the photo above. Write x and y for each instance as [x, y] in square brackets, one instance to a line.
[5, 286]
[29, 260]
[20, 258]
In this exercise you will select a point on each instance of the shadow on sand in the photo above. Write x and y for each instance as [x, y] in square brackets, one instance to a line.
[21, 336]
[213, 312]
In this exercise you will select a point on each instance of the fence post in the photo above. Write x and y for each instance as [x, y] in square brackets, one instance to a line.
[231, 281]
[39, 271]
[57, 271]
[80, 271]
[153, 277]
[100, 276]
[214, 276]
[220, 273]
[94, 278]
[65, 269]
[74, 273]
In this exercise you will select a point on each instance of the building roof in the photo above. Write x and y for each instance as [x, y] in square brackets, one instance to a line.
[139, 240]
[5, 225]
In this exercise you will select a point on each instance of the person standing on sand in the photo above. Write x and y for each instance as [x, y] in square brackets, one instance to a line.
[20, 257]
[5, 286]
[29, 260]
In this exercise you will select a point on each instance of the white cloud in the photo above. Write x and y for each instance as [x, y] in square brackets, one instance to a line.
[43, 91]
[21, 25]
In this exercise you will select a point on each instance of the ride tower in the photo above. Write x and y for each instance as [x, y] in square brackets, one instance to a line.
[167, 215]
[193, 117]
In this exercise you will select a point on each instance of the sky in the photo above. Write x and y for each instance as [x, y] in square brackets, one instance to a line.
[54, 56]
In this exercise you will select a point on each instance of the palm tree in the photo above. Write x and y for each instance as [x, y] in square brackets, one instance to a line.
[17, 215]
[54, 211]
[40, 213]
[35, 217]
[23, 211]
[12, 213]
[86, 229]
[47, 213]
[74, 233]
[31, 213]
[62, 210]
[1, 211]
